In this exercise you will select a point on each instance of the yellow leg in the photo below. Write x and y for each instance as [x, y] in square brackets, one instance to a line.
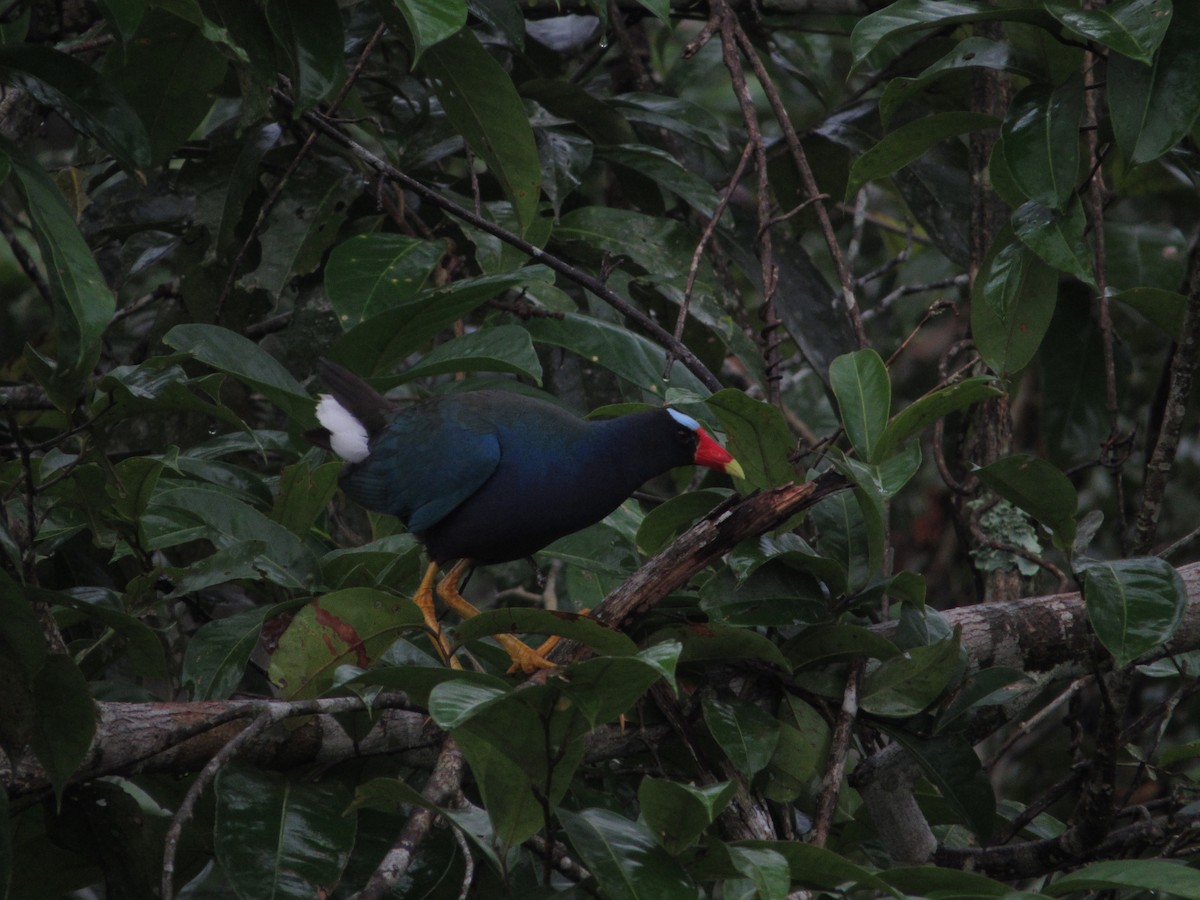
[524, 657]
[424, 600]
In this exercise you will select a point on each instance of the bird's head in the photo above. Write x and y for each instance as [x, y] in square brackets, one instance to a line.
[708, 452]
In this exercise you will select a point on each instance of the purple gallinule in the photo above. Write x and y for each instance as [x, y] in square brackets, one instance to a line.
[490, 476]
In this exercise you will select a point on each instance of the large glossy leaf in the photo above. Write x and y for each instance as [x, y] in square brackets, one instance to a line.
[83, 304]
[758, 437]
[484, 107]
[573, 626]
[1133, 28]
[950, 763]
[348, 627]
[300, 227]
[987, 687]
[917, 15]
[624, 858]
[926, 410]
[746, 733]
[1134, 605]
[970, 53]
[659, 246]
[764, 868]
[217, 654]
[431, 21]
[665, 170]
[64, 719]
[1011, 305]
[230, 352]
[908, 142]
[860, 382]
[1153, 107]
[372, 273]
[927, 881]
[82, 96]
[626, 354]
[678, 813]
[505, 348]
[1141, 875]
[904, 685]
[1041, 142]
[312, 43]
[1057, 236]
[280, 837]
[1037, 487]
[166, 74]
[809, 864]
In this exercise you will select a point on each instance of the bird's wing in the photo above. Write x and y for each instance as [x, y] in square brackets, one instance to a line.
[425, 463]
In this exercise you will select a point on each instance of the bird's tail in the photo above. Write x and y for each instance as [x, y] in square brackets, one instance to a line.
[350, 415]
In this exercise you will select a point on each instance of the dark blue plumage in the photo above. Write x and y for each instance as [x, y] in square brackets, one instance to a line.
[493, 476]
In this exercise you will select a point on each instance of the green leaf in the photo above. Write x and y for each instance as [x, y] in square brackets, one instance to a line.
[715, 641]
[603, 688]
[503, 348]
[926, 410]
[312, 42]
[1164, 308]
[348, 627]
[216, 656]
[573, 626]
[767, 870]
[167, 73]
[950, 763]
[624, 858]
[484, 107]
[1154, 875]
[860, 382]
[987, 687]
[659, 246]
[64, 719]
[917, 15]
[82, 96]
[513, 808]
[665, 170]
[383, 341]
[230, 352]
[1134, 605]
[300, 227]
[909, 142]
[667, 521]
[624, 353]
[1134, 28]
[746, 733]
[142, 644]
[1037, 487]
[279, 837]
[431, 21]
[810, 865]
[677, 813]
[372, 273]
[1041, 142]
[660, 8]
[904, 685]
[1011, 305]
[1057, 237]
[970, 53]
[759, 437]
[304, 492]
[83, 304]
[931, 881]
[1154, 107]
[835, 640]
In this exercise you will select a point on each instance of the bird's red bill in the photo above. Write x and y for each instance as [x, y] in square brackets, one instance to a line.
[710, 453]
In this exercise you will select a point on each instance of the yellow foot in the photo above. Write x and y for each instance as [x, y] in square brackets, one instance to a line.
[525, 658]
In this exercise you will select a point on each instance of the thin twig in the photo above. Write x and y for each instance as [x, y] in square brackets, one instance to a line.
[800, 158]
[698, 254]
[839, 748]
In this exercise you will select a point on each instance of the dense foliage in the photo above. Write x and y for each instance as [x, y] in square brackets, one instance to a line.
[941, 253]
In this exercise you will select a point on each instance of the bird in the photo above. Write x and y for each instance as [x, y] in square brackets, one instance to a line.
[482, 477]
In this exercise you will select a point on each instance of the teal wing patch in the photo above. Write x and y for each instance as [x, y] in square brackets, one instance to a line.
[424, 464]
